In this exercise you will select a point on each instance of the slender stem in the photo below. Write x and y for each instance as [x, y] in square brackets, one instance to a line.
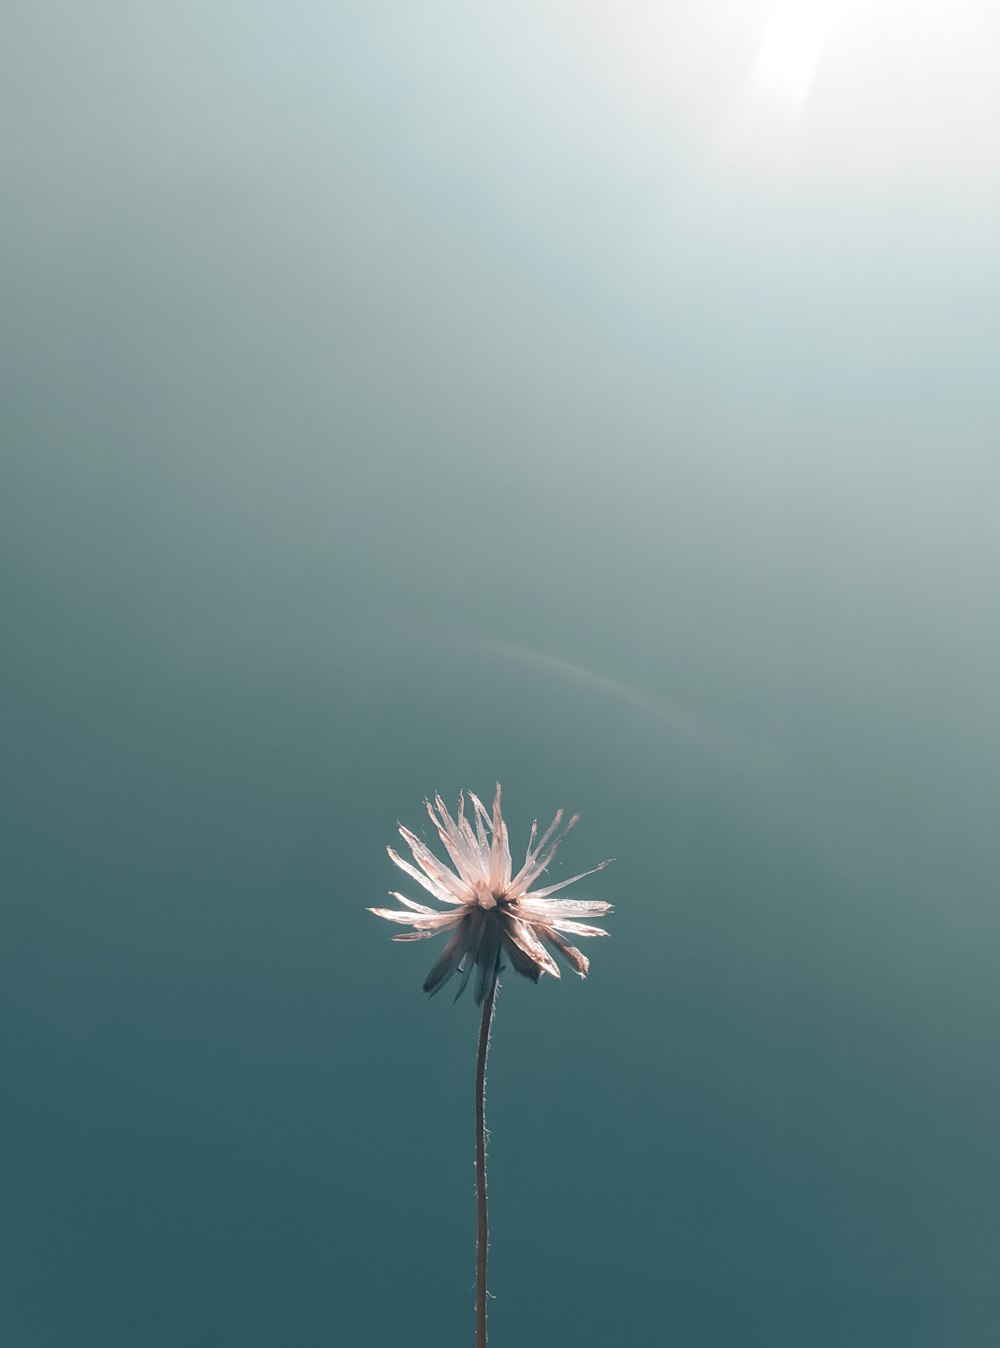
[482, 1238]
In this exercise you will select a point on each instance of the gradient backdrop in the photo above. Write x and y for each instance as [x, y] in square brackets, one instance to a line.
[601, 398]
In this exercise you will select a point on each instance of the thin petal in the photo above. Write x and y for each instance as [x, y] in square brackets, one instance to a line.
[466, 859]
[436, 869]
[486, 958]
[408, 903]
[531, 841]
[521, 961]
[543, 856]
[465, 969]
[527, 871]
[449, 960]
[423, 921]
[548, 832]
[432, 886]
[545, 909]
[482, 820]
[522, 935]
[576, 959]
[552, 889]
[481, 853]
[500, 857]
[393, 915]
[577, 928]
[477, 923]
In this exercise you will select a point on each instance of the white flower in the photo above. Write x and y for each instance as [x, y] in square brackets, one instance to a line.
[491, 913]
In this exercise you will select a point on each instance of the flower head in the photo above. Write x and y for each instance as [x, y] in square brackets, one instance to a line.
[491, 912]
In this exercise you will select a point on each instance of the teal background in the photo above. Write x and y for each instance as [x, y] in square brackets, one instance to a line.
[399, 398]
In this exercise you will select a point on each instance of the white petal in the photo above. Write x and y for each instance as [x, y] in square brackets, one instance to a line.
[522, 962]
[524, 936]
[549, 831]
[481, 853]
[575, 958]
[543, 855]
[552, 889]
[500, 857]
[482, 820]
[436, 869]
[466, 859]
[531, 841]
[423, 921]
[544, 909]
[430, 885]
[408, 903]
[577, 928]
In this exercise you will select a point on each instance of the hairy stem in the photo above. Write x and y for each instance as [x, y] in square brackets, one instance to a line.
[482, 1238]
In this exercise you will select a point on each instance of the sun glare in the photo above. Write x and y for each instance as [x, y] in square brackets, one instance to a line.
[789, 55]
[761, 128]
[879, 91]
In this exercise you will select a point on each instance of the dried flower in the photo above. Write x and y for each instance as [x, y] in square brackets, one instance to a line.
[492, 913]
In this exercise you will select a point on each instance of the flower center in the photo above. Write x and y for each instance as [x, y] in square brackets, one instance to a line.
[484, 895]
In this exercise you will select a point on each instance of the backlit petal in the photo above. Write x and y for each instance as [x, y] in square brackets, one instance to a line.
[430, 885]
[576, 959]
[522, 934]
[552, 889]
[577, 928]
[437, 870]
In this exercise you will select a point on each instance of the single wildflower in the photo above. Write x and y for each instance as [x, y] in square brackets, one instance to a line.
[490, 913]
